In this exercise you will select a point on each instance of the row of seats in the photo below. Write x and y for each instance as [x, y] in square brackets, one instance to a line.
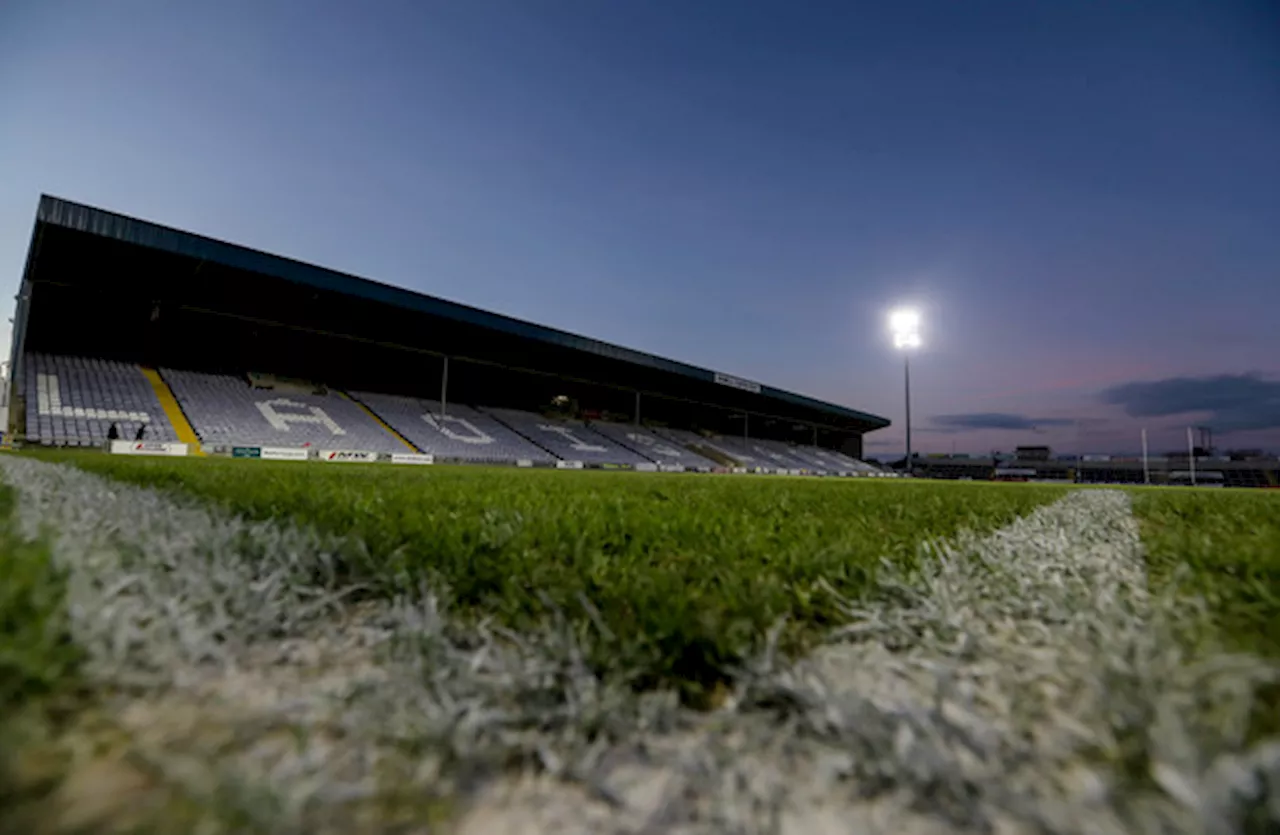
[777, 455]
[1246, 478]
[454, 432]
[226, 410]
[73, 401]
[653, 446]
[570, 441]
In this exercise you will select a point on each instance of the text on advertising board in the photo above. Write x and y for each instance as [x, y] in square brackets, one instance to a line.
[349, 456]
[412, 458]
[147, 448]
[283, 453]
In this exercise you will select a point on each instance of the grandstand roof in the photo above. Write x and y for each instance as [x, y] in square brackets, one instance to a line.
[78, 246]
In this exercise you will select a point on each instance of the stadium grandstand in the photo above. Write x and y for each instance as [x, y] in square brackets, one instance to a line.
[1208, 471]
[129, 330]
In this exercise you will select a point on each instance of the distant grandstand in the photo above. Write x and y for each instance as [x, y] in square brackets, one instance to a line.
[189, 340]
[1209, 470]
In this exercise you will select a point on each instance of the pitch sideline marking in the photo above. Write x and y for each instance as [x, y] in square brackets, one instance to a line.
[151, 600]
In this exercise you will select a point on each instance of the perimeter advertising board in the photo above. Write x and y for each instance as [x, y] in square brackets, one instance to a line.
[282, 453]
[147, 448]
[412, 458]
[270, 453]
[348, 456]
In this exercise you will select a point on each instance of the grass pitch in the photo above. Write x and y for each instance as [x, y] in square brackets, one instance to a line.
[671, 577]
[36, 653]
[1222, 547]
[1051, 640]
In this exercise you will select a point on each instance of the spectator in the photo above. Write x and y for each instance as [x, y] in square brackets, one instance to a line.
[142, 430]
[113, 433]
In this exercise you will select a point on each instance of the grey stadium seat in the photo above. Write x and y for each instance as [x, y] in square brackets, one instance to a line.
[652, 446]
[72, 401]
[461, 433]
[569, 440]
[226, 410]
[685, 438]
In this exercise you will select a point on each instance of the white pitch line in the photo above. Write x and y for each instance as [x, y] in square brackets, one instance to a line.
[1012, 683]
[1027, 681]
[1020, 682]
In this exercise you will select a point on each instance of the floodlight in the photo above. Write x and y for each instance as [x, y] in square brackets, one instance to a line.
[905, 324]
[905, 320]
[906, 340]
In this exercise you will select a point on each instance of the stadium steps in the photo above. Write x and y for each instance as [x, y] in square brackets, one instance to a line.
[378, 420]
[172, 410]
[713, 454]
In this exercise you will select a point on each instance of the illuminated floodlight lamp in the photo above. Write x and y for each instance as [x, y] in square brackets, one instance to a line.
[905, 324]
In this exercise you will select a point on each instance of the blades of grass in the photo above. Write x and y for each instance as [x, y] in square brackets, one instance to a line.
[686, 573]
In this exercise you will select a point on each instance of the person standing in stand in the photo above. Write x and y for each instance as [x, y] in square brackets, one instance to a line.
[142, 430]
[113, 432]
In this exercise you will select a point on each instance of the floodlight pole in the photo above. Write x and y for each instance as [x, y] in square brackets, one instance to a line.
[906, 376]
[905, 324]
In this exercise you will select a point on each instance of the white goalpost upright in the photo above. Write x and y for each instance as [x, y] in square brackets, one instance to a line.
[1191, 455]
[1146, 465]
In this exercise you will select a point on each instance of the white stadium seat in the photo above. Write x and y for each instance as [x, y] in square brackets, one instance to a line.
[658, 449]
[569, 440]
[226, 410]
[455, 433]
[72, 401]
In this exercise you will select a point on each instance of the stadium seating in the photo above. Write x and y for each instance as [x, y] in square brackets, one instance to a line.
[1245, 477]
[804, 458]
[461, 434]
[840, 461]
[1109, 475]
[973, 469]
[732, 448]
[756, 453]
[824, 460]
[568, 440]
[692, 440]
[72, 401]
[226, 410]
[652, 446]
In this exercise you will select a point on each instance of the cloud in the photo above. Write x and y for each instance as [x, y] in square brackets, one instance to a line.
[1235, 402]
[995, 420]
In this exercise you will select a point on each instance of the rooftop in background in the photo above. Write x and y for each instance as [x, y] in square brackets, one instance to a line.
[94, 277]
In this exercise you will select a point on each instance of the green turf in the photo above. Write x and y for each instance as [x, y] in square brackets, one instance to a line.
[1222, 547]
[1229, 543]
[683, 572]
[38, 665]
[36, 654]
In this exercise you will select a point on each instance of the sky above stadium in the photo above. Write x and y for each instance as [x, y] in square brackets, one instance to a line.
[1082, 198]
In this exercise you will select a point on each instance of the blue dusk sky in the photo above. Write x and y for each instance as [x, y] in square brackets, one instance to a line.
[1083, 198]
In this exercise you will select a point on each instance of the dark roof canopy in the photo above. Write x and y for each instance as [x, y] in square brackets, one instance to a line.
[100, 280]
